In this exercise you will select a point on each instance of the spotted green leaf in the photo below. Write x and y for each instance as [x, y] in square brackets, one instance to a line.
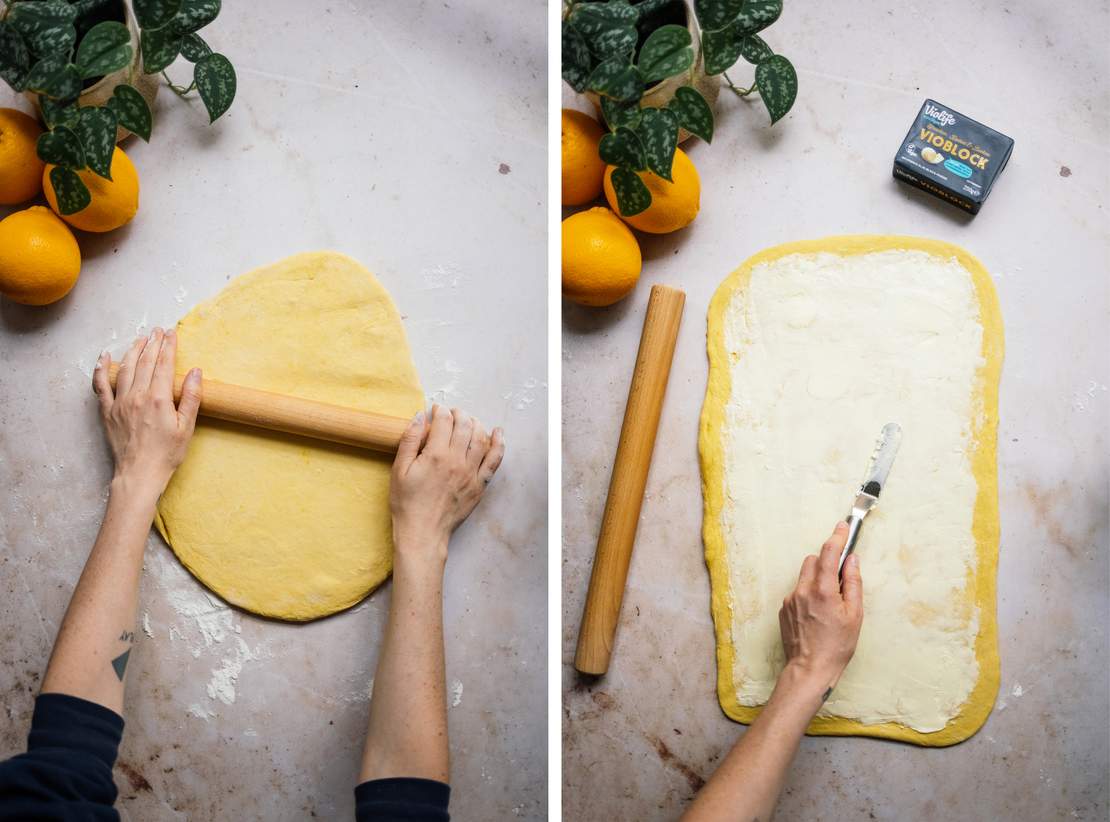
[716, 14]
[193, 15]
[215, 79]
[721, 49]
[757, 15]
[95, 127]
[194, 48]
[576, 58]
[620, 114]
[616, 78]
[15, 57]
[104, 49]
[609, 29]
[622, 148]
[693, 112]
[153, 14]
[658, 133]
[70, 193]
[754, 50]
[632, 194]
[778, 86]
[131, 110]
[159, 47]
[42, 74]
[61, 147]
[54, 78]
[666, 52]
[55, 113]
[46, 25]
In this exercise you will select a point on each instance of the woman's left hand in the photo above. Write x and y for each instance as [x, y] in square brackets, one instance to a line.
[147, 433]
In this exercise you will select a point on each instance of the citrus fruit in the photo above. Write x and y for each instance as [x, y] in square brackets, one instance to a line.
[582, 168]
[20, 166]
[601, 258]
[674, 205]
[114, 201]
[39, 259]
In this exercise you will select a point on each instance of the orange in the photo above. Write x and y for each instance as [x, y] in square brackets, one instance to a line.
[39, 259]
[601, 258]
[20, 166]
[114, 202]
[674, 205]
[582, 168]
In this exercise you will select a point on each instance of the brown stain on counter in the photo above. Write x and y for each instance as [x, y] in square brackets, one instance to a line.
[667, 757]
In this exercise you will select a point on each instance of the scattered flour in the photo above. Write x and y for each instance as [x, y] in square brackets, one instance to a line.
[524, 396]
[1018, 690]
[207, 623]
[200, 712]
[224, 678]
[146, 624]
[449, 388]
[181, 294]
[456, 693]
[441, 276]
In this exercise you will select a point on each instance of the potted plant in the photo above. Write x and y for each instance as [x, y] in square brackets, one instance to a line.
[86, 64]
[652, 67]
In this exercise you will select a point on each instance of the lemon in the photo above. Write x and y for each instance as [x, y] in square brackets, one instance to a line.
[674, 205]
[39, 258]
[582, 168]
[601, 258]
[20, 166]
[114, 202]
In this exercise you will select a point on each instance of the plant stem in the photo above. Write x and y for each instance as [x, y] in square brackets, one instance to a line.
[739, 91]
[180, 91]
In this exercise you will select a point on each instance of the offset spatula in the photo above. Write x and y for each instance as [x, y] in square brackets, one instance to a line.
[873, 483]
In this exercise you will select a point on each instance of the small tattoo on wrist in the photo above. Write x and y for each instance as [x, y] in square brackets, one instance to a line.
[119, 664]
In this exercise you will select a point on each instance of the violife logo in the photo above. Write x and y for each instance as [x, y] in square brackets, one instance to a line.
[938, 115]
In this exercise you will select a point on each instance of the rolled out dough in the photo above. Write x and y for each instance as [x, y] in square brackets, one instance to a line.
[813, 346]
[283, 526]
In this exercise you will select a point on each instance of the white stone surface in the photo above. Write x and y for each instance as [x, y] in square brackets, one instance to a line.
[639, 741]
[411, 136]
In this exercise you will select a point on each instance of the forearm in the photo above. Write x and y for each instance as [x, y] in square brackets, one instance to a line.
[407, 733]
[91, 652]
[747, 784]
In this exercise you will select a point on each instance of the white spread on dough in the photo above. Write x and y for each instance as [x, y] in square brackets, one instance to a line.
[825, 349]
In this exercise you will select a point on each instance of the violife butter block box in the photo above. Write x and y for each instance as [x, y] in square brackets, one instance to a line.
[952, 156]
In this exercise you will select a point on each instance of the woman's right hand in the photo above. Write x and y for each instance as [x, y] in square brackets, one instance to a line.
[820, 620]
[442, 467]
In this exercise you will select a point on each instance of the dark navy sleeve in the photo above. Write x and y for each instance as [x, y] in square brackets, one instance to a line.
[404, 799]
[66, 773]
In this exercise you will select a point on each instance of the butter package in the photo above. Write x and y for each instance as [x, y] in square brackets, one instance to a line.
[952, 156]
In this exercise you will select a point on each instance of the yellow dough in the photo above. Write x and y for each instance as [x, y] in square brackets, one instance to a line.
[288, 527]
[826, 340]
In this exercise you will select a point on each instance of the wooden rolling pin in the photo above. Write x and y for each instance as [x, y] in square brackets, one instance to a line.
[626, 486]
[293, 415]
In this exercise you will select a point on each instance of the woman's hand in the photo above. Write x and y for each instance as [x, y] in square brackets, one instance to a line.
[148, 435]
[442, 467]
[820, 620]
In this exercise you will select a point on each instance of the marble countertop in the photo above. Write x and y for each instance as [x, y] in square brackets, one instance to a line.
[411, 137]
[640, 741]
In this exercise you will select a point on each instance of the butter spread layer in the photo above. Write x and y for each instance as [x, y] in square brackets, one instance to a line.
[825, 349]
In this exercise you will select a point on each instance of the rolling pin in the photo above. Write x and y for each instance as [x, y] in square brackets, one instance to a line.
[292, 415]
[626, 485]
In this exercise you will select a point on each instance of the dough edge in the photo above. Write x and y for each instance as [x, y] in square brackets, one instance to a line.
[985, 524]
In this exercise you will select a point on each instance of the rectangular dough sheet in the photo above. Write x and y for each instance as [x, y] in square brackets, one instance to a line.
[813, 346]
